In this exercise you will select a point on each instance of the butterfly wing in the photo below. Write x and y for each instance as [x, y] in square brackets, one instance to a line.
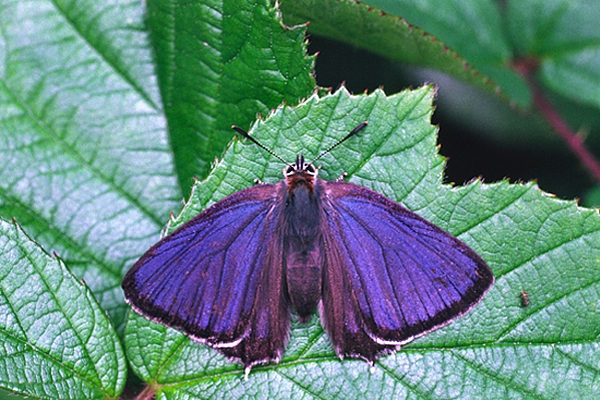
[390, 275]
[215, 278]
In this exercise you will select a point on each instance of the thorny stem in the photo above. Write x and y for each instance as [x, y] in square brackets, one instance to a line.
[527, 68]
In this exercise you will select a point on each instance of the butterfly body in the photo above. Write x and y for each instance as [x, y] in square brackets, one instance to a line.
[379, 274]
[302, 237]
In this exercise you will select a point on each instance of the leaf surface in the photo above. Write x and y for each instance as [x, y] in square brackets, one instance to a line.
[86, 166]
[57, 343]
[220, 63]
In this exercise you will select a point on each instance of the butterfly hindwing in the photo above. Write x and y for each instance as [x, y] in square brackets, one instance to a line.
[216, 280]
[390, 275]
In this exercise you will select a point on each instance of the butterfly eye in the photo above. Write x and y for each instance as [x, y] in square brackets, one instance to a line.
[300, 167]
[289, 170]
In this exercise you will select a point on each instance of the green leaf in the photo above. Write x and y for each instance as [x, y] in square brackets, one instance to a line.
[564, 37]
[220, 63]
[533, 242]
[57, 343]
[466, 35]
[474, 26]
[471, 28]
[368, 28]
[561, 35]
[86, 165]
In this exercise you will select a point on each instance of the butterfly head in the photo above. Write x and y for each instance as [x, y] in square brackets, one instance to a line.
[300, 172]
[300, 167]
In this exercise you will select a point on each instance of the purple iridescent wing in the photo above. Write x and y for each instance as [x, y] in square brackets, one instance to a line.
[217, 280]
[390, 275]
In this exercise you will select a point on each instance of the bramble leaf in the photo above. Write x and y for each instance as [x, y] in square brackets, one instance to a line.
[57, 343]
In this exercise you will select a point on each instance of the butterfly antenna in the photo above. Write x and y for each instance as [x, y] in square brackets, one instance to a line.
[262, 146]
[342, 140]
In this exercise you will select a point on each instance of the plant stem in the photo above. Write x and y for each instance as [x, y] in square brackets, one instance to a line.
[148, 393]
[527, 68]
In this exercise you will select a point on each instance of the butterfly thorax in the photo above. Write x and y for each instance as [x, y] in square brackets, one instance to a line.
[302, 239]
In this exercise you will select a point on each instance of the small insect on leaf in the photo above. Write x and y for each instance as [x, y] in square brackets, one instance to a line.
[379, 274]
[524, 299]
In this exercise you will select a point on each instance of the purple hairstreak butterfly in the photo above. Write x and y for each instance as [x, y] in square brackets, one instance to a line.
[379, 274]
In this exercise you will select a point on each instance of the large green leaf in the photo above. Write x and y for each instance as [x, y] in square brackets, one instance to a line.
[561, 35]
[222, 62]
[86, 167]
[473, 26]
[389, 36]
[466, 35]
[57, 343]
[533, 242]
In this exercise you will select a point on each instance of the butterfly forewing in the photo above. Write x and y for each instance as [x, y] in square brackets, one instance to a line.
[217, 280]
[401, 275]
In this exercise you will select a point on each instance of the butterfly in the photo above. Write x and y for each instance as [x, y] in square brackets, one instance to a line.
[379, 274]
